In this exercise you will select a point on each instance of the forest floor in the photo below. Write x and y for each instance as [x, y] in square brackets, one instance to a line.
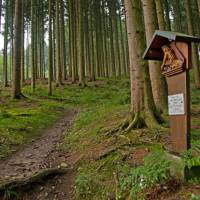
[37, 156]
[74, 130]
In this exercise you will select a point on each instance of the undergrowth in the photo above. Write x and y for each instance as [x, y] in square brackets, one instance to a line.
[155, 170]
[101, 107]
[95, 178]
[22, 121]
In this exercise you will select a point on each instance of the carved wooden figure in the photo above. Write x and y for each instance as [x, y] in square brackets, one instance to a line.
[173, 61]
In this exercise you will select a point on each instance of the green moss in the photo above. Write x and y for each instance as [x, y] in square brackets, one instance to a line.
[89, 130]
[21, 121]
[101, 107]
[20, 124]
[95, 178]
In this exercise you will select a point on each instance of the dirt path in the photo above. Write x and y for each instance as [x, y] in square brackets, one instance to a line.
[38, 155]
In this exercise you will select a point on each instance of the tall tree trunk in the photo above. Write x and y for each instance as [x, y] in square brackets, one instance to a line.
[58, 53]
[115, 37]
[16, 90]
[196, 18]
[73, 31]
[123, 52]
[80, 44]
[33, 64]
[142, 105]
[27, 52]
[50, 69]
[167, 17]
[22, 48]
[105, 34]
[160, 15]
[112, 50]
[177, 16]
[195, 60]
[54, 47]
[5, 51]
[198, 6]
[92, 77]
[157, 79]
[12, 38]
[62, 36]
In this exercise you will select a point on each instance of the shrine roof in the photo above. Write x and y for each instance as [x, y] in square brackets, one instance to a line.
[160, 38]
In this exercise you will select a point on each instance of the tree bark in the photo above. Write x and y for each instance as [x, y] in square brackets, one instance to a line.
[80, 44]
[195, 60]
[177, 16]
[16, 90]
[142, 104]
[160, 15]
[198, 6]
[167, 17]
[58, 52]
[157, 79]
[5, 50]
[50, 68]
[62, 45]
[22, 48]
[33, 64]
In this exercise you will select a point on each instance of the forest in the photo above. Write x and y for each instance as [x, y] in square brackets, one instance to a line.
[84, 115]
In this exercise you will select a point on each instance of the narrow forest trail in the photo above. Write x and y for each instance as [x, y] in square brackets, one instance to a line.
[39, 155]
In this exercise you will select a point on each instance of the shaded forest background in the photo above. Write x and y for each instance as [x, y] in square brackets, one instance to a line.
[83, 59]
[81, 41]
[86, 39]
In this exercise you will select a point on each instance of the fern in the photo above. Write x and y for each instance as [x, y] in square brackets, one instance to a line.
[10, 194]
[194, 197]
[190, 160]
[154, 170]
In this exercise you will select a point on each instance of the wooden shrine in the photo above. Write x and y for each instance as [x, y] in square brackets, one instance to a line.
[174, 50]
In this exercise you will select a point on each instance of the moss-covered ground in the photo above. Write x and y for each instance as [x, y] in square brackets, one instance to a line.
[114, 165]
[23, 120]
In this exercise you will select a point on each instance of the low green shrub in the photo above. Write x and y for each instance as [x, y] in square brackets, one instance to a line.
[155, 170]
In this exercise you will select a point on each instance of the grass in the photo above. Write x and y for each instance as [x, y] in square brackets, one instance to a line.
[21, 121]
[102, 106]
[95, 175]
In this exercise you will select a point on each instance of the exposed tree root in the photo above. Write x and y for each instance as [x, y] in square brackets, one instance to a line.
[114, 130]
[35, 178]
[130, 123]
[83, 85]
[108, 152]
[136, 121]
[20, 96]
[59, 84]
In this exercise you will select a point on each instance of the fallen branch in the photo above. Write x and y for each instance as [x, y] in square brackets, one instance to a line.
[35, 178]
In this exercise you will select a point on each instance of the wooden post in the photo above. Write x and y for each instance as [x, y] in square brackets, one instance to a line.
[179, 85]
[174, 49]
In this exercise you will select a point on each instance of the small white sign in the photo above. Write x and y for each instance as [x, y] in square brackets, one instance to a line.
[176, 104]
